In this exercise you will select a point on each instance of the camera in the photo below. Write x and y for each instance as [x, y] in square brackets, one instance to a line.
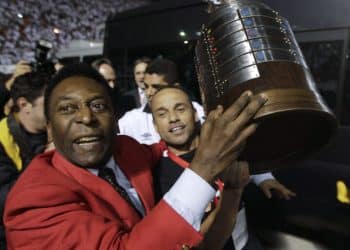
[42, 63]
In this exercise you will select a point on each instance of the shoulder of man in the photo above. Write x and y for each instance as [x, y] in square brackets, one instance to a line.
[33, 176]
[3, 121]
[130, 116]
[9, 145]
[130, 151]
[132, 113]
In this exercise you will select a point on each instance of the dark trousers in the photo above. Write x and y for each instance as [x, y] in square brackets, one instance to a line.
[253, 242]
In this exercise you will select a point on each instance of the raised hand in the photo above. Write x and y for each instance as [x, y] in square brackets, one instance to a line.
[22, 67]
[224, 134]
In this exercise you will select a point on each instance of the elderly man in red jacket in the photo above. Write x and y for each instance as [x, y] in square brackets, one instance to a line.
[95, 191]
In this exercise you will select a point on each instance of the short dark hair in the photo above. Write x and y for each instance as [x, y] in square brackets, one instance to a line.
[30, 86]
[98, 62]
[144, 59]
[78, 69]
[165, 68]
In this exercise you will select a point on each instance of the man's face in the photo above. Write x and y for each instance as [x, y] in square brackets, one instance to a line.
[81, 121]
[174, 117]
[139, 74]
[37, 114]
[109, 74]
[153, 83]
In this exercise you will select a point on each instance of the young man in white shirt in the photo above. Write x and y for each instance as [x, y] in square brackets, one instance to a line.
[175, 120]
[138, 123]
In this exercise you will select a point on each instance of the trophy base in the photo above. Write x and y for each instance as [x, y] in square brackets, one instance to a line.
[292, 124]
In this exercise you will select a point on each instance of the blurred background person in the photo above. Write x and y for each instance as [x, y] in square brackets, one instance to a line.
[23, 132]
[138, 123]
[139, 70]
[105, 67]
[121, 103]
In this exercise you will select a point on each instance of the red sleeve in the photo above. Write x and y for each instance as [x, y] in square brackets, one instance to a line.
[61, 219]
[48, 210]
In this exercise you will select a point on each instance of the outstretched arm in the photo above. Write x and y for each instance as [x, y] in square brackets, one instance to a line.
[272, 185]
[218, 226]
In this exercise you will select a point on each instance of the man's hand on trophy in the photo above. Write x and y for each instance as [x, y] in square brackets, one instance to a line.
[224, 134]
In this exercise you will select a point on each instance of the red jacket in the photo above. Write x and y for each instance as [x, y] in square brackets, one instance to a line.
[57, 205]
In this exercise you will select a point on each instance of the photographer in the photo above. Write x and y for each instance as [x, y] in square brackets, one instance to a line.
[22, 132]
[41, 64]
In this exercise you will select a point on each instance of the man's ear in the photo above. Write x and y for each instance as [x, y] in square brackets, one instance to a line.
[49, 131]
[23, 104]
[50, 145]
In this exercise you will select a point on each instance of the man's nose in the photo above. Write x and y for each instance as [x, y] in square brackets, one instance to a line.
[173, 117]
[149, 92]
[85, 115]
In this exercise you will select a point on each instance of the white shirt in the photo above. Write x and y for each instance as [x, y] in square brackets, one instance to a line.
[240, 231]
[142, 96]
[189, 196]
[138, 124]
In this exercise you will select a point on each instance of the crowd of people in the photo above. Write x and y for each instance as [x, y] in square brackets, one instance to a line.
[23, 23]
